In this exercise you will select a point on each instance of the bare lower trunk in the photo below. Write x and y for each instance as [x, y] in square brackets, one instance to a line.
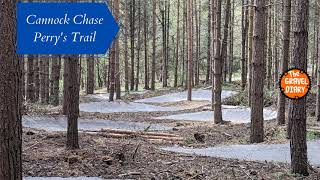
[55, 79]
[154, 38]
[217, 68]
[297, 114]
[10, 96]
[285, 58]
[257, 130]
[90, 74]
[73, 101]
[190, 48]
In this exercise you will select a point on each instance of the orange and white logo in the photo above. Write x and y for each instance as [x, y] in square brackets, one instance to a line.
[295, 84]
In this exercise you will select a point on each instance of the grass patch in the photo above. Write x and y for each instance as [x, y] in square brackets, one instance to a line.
[313, 135]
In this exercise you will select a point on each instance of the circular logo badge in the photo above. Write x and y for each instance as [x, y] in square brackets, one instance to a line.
[295, 84]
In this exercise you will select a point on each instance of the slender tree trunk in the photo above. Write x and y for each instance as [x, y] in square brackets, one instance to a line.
[146, 62]
[244, 41]
[36, 78]
[269, 64]
[285, 58]
[47, 78]
[82, 81]
[199, 40]
[297, 115]
[250, 53]
[139, 46]
[23, 70]
[99, 76]
[276, 46]
[213, 43]
[112, 72]
[55, 79]
[167, 45]
[208, 70]
[230, 70]
[112, 65]
[190, 47]
[10, 96]
[109, 70]
[318, 71]
[30, 79]
[126, 53]
[132, 29]
[196, 60]
[217, 67]
[315, 43]
[154, 39]
[224, 48]
[117, 53]
[164, 40]
[90, 74]
[184, 52]
[177, 47]
[257, 130]
[42, 79]
[65, 86]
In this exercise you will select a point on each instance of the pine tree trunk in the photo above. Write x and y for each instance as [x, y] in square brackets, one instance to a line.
[90, 74]
[269, 63]
[230, 66]
[55, 79]
[126, 53]
[36, 78]
[132, 29]
[285, 58]
[257, 130]
[315, 43]
[117, 53]
[184, 51]
[177, 47]
[146, 62]
[297, 115]
[244, 25]
[166, 72]
[276, 46]
[190, 47]
[112, 72]
[47, 78]
[10, 96]
[139, 47]
[318, 71]
[30, 79]
[250, 53]
[224, 48]
[217, 67]
[213, 43]
[42, 79]
[65, 86]
[73, 88]
[154, 39]
[196, 60]
[208, 70]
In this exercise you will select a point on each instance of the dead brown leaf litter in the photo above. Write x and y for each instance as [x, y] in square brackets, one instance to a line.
[138, 157]
[132, 158]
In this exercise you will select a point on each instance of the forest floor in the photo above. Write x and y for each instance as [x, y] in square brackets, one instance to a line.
[139, 157]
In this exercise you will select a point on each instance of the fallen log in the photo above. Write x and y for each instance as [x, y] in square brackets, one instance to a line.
[114, 135]
[116, 131]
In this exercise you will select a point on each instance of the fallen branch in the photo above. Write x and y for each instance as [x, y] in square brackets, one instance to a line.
[134, 132]
[110, 133]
